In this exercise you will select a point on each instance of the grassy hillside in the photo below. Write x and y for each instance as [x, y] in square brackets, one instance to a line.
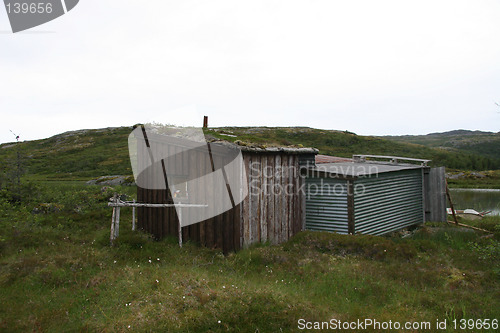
[346, 144]
[73, 155]
[59, 274]
[482, 143]
[86, 154]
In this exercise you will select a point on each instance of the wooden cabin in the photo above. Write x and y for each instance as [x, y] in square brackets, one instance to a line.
[272, 211]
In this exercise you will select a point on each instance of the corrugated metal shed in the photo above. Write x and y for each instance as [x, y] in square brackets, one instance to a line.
[326, 205]
[391, 201]
[369, 197]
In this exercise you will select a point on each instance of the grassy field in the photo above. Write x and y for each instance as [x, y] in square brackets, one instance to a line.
[345, 144]
[491, 180]
[59, 274]
[85, 154]
[478, 142]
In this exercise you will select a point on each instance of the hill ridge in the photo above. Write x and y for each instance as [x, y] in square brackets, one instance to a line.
[86, 154]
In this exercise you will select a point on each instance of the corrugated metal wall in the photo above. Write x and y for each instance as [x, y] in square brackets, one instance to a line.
[326, 204]
[389, 201]
[307, 160]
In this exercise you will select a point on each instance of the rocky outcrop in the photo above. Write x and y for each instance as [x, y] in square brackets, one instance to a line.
[112, 180]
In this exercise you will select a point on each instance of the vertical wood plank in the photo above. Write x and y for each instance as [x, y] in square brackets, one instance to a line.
[284, 203]
[236, 228]
[255, 200]
[154, 195]
[298, 197]
[244, 182]
[271, 218]
[205, 168]
[302, 210]
[139, 209]
[291, 195]
[246, 205]
[227, 221]
[219, 226]
[263, 199]
[277, 200]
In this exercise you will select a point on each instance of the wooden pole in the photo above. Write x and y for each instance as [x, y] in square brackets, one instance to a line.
[180, 227]
[451, 204]
[112, 235]
[133, 216]
[469, 226]
[117, 204]
[117, 222]
[129, 204]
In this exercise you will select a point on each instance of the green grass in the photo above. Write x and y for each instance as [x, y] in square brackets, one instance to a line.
[77, 155]
[86, 154]
[490, 181]
[345, 144]
[477, 142]
[59, 274]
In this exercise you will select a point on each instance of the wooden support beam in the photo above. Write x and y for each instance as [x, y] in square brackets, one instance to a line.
[451, 204]
[112, 233]
[117, 204]
[469, 226]
[113, 218]
[179, 215]
[131, 204]
[133, 216]
[117, 222]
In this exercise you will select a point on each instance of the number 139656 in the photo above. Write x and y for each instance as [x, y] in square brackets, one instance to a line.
[464, 324]
[32, 8]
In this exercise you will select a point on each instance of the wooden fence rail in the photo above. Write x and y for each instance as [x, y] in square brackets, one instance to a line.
[116, 203]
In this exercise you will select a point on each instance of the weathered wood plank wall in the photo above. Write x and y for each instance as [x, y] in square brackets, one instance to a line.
[273, 211]
[435, 195]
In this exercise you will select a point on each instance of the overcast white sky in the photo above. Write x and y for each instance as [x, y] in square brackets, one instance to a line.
[370, 67]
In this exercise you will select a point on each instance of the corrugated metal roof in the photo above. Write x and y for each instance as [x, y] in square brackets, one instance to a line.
[359, 169]
[320, 159]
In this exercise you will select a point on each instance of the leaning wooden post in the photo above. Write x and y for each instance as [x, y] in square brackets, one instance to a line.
[451, 204]
[133, 216]
[179, 215]
[117, 222]
[112, 236]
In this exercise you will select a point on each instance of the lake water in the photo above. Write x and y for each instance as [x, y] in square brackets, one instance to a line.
[477, 199]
